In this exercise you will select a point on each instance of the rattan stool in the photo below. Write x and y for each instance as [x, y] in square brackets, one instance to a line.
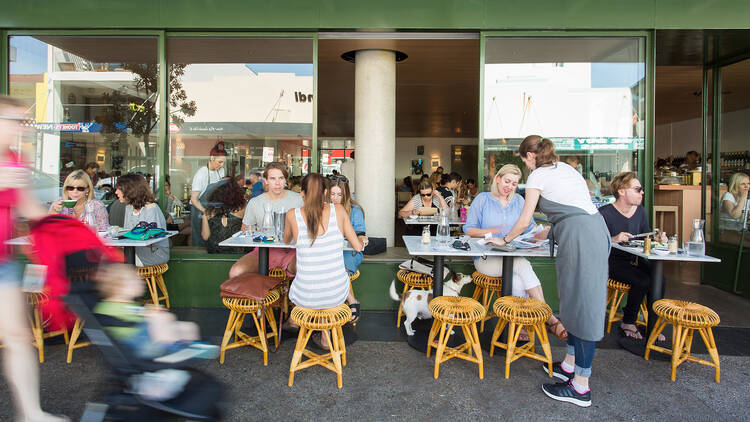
[37, 325]
[447, 312]
[329, 323]
[616, 291]
[73, 343]
[155, 282]
[261, 311]
[517, 313]
[282, 304]
[486, 288]
[411, 281]
[685, 318]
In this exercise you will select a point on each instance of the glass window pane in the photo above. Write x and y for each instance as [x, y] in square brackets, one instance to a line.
[91, 101]
[734, 157]
[585, 94]
[254, 95]
[333, 152]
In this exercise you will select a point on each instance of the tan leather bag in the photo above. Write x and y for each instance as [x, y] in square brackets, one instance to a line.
[248, 286]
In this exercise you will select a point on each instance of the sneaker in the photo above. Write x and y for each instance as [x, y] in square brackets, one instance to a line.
[558, 372]
[564, 391]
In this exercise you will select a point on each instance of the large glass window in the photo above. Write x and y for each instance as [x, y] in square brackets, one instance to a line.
[333, 152]
[92, 101]
[585, 94]
[253, 94]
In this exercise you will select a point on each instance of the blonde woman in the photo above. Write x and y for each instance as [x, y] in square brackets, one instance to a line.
[78, 187]
[733, 201]
[494, 213]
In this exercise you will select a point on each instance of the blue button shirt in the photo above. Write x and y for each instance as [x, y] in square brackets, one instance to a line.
[486, 212]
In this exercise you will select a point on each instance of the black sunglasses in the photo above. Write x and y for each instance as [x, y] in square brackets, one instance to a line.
[462, 245]
[78, 188]
[638, 189]
[337, 178]
[425, 195]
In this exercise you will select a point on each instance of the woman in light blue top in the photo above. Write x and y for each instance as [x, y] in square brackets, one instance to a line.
[494, 213]
[340, 194]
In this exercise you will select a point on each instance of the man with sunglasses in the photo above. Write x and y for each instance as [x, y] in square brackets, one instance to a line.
[624, 218]
[21, 370]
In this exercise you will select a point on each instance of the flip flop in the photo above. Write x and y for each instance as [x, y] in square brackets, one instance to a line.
[356, 313]
[630, 333]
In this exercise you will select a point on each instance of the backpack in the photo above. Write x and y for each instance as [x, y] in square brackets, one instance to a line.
[66, 247]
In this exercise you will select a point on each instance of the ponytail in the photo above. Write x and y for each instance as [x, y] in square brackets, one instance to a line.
[542, 147]
[218, 150]
[314, 188]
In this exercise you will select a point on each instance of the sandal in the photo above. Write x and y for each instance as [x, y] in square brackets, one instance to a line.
[557, 329]
[356, 313]
[631, 333]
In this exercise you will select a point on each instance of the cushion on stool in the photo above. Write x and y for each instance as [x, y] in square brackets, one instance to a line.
[248, 285]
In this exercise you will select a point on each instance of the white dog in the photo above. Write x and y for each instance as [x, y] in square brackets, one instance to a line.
[415, 302]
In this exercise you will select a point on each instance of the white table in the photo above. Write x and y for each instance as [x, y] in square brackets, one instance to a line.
[657, 274]
[415, 247]
[128, 245]
[263, 247]
[431, 220]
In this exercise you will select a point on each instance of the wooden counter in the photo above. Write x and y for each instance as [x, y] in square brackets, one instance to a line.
[687, 198]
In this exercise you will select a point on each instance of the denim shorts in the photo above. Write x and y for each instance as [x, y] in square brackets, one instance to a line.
[10, 274]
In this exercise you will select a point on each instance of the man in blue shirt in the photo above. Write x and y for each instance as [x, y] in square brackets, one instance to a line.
[257, 185]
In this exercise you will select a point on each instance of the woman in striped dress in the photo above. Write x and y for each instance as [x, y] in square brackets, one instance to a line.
[321, 281]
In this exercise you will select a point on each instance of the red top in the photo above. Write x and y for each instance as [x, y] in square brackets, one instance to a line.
[8, 201]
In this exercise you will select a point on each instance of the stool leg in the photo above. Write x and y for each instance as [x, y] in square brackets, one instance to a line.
[260, 327]
[472, 335]
[544, 341]
[485, 302]
[658, 327]
[302, 338]
[228, 331]
[477, 292]
[163, 287]
[513, 332]
[77, 327]
[400, 308]
[708, 339]
[151, 285]
[342, 344]
[335, 356]
[431, 338]
[271, 319]
[496, 334]
[442, 340]
[38, 333]
[678, 342]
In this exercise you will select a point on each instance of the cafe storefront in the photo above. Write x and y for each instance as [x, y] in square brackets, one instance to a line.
[149, 87]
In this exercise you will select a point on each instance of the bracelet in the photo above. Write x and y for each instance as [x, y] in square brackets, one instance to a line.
[506, 241]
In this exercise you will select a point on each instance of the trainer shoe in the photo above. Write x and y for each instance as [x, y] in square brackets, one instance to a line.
[564, 391]
[558, 372]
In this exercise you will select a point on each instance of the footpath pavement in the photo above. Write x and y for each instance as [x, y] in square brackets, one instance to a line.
[387, 380]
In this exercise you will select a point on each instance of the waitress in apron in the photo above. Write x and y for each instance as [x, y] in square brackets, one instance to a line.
[206, 175]
[581, 264]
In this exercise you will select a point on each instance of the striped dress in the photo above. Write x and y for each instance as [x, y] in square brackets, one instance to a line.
[321, 281]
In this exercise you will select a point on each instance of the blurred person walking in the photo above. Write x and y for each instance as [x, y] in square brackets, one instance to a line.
[20, 365]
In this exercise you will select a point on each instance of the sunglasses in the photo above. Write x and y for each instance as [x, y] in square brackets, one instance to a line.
[78, 188]
[338, 178]
[425, 195]
[638, 189]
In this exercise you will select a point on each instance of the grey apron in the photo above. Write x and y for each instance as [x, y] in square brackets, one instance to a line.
[582, 267]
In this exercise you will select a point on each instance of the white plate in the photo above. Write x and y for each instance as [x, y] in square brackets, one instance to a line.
[659, 251]
[413, 217]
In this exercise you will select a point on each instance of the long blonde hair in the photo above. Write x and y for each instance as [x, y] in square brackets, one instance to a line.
[734, 183]
[76, 176]
[506, 169]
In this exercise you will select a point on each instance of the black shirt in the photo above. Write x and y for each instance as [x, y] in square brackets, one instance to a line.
[446, 194]
[618, 223]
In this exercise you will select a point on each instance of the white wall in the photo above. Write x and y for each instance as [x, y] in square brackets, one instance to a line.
[680, 137]
[406, 150]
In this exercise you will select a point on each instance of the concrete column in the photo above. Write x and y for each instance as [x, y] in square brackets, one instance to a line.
[375, 139]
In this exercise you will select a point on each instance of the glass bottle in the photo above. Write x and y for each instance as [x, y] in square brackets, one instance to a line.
[267, 227]
[426, 235]
[443, 230]
[697, 244]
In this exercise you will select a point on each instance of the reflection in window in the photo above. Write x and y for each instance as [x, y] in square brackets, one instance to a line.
[93, 102]
[586, 95]
[333, 153]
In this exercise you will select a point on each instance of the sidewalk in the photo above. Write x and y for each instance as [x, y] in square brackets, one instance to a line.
[391, 381]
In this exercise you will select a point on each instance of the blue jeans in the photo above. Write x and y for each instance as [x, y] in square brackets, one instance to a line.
[583, 350]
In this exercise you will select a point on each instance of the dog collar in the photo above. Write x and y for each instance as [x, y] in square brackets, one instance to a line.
[453, 290]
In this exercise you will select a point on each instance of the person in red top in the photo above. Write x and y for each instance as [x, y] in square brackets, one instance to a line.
[19, 363]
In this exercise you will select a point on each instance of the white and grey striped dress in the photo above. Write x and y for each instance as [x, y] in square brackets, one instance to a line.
[321, 281]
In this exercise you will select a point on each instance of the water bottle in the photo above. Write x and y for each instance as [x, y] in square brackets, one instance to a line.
[267, 227]
[279, 218]
[697, 244]
[88, 215]
[443, 230]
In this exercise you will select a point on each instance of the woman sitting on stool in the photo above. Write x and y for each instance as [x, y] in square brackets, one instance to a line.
[340, 195]
[494, 213]
[318, 229]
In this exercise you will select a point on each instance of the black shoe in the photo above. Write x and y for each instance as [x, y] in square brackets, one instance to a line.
[564, 391]
[558, 372]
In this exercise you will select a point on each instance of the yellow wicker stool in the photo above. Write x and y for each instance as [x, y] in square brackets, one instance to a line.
[329, 323]
[155, 282]
[616, 291]
[448, 312]
[37, 325]
[486, 288]
[353, 277]
[282, 304]
[73, 343]
[261, 311]
[411, 281]
[517, 313]
[685, 317]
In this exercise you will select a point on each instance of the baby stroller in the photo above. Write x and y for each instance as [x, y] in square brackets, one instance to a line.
[70, 265]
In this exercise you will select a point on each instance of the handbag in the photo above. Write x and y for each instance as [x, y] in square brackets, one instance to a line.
[144, 230]
[248, 286]
[422, 266]
[375, 245]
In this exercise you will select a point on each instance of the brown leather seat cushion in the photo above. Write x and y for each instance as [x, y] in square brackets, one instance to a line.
[248, 286]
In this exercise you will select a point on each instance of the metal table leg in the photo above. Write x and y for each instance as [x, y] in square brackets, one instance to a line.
[507, 287]
[129, 252]
[655, 293]
[437, 276]
[263, 261]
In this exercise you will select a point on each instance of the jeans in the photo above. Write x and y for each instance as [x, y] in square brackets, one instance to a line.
[583, 350]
